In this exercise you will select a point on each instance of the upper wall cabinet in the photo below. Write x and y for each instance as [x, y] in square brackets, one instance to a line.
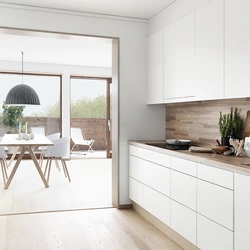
[209, 51]
[179, 60]
[155, 68]
[237, 48]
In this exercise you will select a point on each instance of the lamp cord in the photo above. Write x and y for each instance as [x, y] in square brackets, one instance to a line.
[22, 67]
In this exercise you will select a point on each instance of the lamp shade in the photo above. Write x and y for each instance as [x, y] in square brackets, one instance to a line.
[21, 95]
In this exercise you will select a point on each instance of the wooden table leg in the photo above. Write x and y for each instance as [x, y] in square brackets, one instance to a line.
[37, 166]
[13, 156]
[15, 168]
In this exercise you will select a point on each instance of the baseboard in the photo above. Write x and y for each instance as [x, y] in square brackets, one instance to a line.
[178, 239]
[127, 206]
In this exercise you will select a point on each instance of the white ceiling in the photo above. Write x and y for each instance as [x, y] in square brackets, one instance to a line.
[144, 9]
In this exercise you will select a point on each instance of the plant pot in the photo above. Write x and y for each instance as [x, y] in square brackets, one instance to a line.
[225, 141]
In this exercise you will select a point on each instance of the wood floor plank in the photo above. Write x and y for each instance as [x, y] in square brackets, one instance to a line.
[98, 229]
[90, 188]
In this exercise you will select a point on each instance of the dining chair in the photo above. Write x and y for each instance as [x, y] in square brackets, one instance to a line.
[3, 157]
[79, 139]
[6, 150]
[51, 137]
[57, 152]
[38, 130]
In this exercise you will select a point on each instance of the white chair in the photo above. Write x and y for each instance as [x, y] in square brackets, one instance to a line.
[3, 157]
[6, 150]
[57, 152]
[51, 137]
[79, 139]
[38, 130]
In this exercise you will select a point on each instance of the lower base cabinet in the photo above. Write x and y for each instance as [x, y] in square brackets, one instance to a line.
[242, 212]
[183, 221]
[157, 204]
[212, 236]
[135, 191]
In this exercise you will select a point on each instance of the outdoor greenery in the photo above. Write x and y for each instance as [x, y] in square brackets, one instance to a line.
[82, 108]
[231, 123]
[11, 116]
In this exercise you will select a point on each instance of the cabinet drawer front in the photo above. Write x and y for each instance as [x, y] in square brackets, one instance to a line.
[183, 221]
[183, 189]
[136, 151]
[216, 175]
[156, 204]
[184, 166]
[242, 208]
[158, 158]
[216, 203]
[135, 191]
[211, 236]
[135, 167]
[157, 177]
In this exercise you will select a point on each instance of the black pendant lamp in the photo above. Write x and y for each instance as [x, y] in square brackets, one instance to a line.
[22, 94]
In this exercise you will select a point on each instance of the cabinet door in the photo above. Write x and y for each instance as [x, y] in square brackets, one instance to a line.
[135, 167]
[183, 189]
[157, 177]
[135, 191]
[211, 236]
[155, 68]
[237, 48]
[184, 166]
[157, 204]
[179, 59]
[183, 221]
[242, 212]
[216, 203]
[209, 51]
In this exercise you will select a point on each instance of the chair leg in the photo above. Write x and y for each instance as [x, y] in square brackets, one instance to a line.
[57, 165]
[41, 158]
[66, 169]
[49, 170]
[45, 171]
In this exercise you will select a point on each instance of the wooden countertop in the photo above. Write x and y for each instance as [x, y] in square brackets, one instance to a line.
[229, 162]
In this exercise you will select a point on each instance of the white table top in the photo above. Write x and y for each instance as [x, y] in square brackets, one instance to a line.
[12, 140]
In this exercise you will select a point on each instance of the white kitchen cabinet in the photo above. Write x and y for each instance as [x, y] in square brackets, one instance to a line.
[242, 212]
[211, 236]
[155, 68]
[179, 60]
[157, 177]
[183, 165]
[215, 203]
[183, 189]
[135, 167]
[215, 175]
[237, 48]
[209, 51]
[135, 191]
[159, 158]
[183, 221]
[156, 204]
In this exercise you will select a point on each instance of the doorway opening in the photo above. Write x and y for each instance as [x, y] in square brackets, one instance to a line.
[91, 112]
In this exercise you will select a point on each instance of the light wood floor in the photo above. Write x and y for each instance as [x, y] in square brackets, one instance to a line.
[96, 229]
[90, 187]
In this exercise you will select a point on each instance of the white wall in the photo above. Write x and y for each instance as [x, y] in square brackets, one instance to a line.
[174, 12]
[136, 119]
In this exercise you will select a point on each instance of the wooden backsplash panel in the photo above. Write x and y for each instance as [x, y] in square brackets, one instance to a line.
[198, 121]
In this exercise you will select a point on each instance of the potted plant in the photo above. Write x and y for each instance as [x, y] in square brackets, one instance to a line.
[230, 126]
[11, 116]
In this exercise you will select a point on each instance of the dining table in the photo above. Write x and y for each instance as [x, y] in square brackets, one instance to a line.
[25, 145]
